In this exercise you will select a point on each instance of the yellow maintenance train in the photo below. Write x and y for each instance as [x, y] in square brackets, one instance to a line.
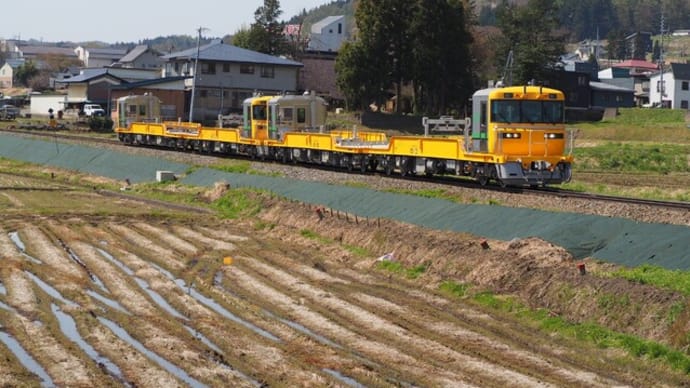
[516, 136]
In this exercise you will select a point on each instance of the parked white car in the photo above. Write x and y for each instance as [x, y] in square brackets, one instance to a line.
[93, 110]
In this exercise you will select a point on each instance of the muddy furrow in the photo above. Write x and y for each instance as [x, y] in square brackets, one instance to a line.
[354, 344]
[369, 324]
[414, 316]
[242, 349]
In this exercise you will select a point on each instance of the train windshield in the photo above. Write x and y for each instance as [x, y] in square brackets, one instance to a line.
[516, 111]
[259, 112]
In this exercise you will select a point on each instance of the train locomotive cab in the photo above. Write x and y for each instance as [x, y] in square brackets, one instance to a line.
[255, 117]
[136, 109]
[296, 113]
[523, 128]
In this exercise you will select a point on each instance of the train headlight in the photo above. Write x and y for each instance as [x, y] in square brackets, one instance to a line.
[553, 136]
[511, 135]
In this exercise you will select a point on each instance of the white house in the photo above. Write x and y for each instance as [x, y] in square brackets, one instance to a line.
[6, 74]
[328, 34]
[675, 83]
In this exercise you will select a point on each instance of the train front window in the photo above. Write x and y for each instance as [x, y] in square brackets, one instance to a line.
[259, 112]
[505, 111]
[553, 111]
[531, 111]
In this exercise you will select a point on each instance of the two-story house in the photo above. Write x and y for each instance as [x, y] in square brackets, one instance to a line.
[674, 83]
[229, 74]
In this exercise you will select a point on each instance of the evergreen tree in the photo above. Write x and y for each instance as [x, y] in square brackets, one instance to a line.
[442, 62]
[265, 35]
[533, 33]
[26, 72]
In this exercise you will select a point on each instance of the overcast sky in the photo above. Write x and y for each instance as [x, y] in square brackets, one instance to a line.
[132, 20]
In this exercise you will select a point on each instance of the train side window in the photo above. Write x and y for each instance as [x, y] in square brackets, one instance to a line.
[287, 115]
[301, 115]
[482, 113]
[132, 109]
[142, 110]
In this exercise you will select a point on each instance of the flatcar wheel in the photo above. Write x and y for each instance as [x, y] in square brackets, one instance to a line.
[388, 168]
[501, 183]
[483, 180]
[363, 165]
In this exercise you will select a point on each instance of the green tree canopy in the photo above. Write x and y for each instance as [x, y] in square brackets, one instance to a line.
[408, 42]
[533, 33]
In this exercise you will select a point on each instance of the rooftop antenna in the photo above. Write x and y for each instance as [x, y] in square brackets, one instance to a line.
[196, 68]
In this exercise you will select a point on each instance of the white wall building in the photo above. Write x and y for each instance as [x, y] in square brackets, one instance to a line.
[675, 83]
[328, 34]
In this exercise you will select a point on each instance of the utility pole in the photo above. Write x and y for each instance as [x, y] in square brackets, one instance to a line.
[662, 87]
[196, 70]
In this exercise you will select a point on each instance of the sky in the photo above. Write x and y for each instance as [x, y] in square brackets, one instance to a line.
[132, 20]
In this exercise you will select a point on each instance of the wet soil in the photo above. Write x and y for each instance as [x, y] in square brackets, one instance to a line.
[298, 297]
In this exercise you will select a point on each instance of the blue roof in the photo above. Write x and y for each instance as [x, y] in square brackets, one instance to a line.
[219, 51]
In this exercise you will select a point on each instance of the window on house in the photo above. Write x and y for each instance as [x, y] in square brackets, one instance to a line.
[684, 85]
[226, 68]
[268, 72]
[208, 68]
[246, 68]
[340, 28]
[684, 104]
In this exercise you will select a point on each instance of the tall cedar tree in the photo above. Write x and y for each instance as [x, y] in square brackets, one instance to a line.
[442, 75]
[394, 47]
[532, 32]
[265, 35]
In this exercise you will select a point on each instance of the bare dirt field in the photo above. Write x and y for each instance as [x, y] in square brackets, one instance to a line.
[106, 290]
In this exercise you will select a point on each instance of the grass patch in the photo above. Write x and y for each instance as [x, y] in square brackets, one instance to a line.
[633, 157]
[637, 124]
[357, 251]
[453, 288]
[238, 203]
[589, 332]
[656, 276]
[398, 268]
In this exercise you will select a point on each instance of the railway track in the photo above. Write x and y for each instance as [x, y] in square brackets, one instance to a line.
[446, 180]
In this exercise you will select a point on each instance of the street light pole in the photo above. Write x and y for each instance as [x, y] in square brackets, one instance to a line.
[196, 68]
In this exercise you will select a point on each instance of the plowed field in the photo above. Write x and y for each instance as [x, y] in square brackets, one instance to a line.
[109, 291]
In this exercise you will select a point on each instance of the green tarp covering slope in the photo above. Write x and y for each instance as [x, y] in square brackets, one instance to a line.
[85, 159]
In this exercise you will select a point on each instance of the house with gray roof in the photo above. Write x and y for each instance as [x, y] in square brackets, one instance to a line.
[675, 84]
[94, 85]
[141, 57]
[228, 74]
